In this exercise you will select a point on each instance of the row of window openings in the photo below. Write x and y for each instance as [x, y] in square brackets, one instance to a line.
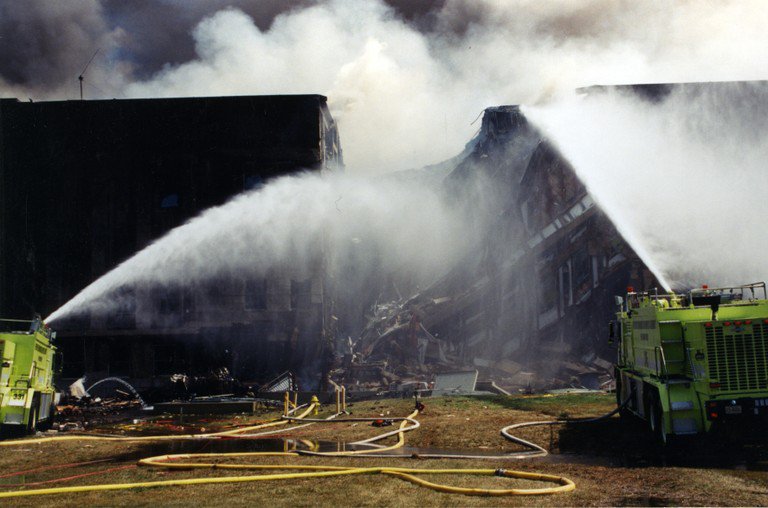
[254, 297]
[173, 302]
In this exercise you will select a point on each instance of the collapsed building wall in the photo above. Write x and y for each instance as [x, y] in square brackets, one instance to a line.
[532, 303]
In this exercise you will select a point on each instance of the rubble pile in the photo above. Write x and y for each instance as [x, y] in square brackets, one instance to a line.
[396, 353]
[83, 413]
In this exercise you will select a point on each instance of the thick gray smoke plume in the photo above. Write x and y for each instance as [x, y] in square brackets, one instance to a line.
[44, 45]
[682, 176]
[405, 79]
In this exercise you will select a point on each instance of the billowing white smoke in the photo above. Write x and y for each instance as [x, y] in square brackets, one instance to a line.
[291, 223]
[404, 93]
[394, 101]
[684, 178]
[406, 98]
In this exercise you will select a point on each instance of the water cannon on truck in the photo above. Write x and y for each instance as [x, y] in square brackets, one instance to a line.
[27, 394]
[695, 362]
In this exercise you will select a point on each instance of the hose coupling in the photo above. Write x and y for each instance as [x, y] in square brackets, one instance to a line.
[500, 472]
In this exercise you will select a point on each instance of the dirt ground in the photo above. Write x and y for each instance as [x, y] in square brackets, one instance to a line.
[611, 463]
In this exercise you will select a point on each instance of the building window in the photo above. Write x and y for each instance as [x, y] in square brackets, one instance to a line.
[301, 294]
[252, 182]
[170, 201]
[255, 294]
[548, 290]
[595, 272]
[566, 293]
[582, 274]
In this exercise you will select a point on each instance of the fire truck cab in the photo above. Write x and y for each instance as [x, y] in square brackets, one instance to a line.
[26, 375]
[689, 363]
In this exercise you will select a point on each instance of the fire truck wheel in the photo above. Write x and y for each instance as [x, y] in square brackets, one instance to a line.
[655, 420]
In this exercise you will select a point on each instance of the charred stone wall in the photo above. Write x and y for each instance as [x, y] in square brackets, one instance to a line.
[85, 184]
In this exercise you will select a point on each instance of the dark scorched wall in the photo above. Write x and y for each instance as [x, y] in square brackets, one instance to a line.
[86, 184]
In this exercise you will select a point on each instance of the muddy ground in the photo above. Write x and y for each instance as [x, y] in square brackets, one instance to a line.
[611, 463]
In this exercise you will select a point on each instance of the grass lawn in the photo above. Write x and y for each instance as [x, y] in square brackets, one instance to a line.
[611, 463]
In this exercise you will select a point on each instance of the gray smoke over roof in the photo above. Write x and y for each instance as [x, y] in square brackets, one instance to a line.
[404, 78]
[45, 43]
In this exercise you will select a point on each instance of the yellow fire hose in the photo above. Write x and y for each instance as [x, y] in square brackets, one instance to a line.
[400, 432]
[307, 471]
[226, 433]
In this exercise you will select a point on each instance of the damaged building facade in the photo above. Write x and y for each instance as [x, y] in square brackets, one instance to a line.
[86, 184]
[532, 305]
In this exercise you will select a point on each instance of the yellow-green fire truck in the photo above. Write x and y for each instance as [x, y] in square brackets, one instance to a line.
[26, 376]
[690, 363]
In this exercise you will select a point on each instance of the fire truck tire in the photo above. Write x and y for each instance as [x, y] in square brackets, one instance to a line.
[655, 420]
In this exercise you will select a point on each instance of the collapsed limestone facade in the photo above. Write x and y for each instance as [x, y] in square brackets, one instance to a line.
[532, 303]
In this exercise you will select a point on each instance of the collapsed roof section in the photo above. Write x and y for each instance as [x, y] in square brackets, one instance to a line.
[530, 306]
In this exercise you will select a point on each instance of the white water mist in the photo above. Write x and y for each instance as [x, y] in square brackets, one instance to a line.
[683, 178]
[350, 222]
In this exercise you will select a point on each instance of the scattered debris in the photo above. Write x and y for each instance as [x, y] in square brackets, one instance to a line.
[397, 355]
[218, 382]
[75, 414]
[285, 382]
[455, 383]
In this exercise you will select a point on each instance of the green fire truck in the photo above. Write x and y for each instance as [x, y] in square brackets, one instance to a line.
[26, 376]
[695, 362]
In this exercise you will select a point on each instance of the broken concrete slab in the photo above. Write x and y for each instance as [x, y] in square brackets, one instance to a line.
[455, 383]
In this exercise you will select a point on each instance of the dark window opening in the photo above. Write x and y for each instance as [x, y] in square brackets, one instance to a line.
[119, 357]
[301, 294]
[170, 201]
[252, 182]
[124, 315]
[582, 273]
[255, 294]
